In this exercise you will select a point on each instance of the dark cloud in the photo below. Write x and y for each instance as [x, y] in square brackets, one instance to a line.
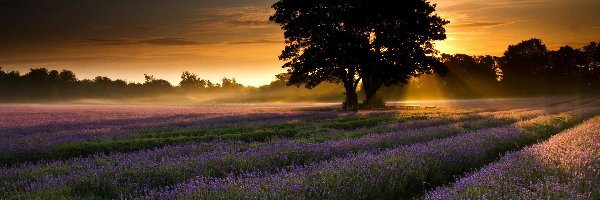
[9, 4]
[481, 5]
[260, 41]
[66, 59]
[251, 22]
[198, 21]
[170, 41]
[165, 41]
[98, 41]
[145, 28]
[17, 4]
[246, 16]
[478, 24]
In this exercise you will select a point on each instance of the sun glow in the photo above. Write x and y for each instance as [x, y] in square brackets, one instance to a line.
[445, 47]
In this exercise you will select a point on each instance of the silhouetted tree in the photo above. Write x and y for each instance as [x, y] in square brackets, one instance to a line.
[280, 81]
[470, 68]
[567, 64]
[2, 78]
[319, 45]
[53, 87]
[379, 42]
[400, 34]
[10, 84]
[279, 84]
[470, 75]
[53, 76]
[210, 84]
[36, 82]
[148, 79]
[592, 53]
[522, 64]
[37, 75]
[102, 80]
[67, 77]
[190, 81]
[228, 83]
[592, 72]
[3, 82]
[156, 85]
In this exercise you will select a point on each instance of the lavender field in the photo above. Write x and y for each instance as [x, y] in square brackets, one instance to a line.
[472, 149]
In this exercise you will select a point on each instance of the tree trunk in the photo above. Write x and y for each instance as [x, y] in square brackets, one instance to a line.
[370, 94]
[350, 84]
[351, 101]
[371, 87]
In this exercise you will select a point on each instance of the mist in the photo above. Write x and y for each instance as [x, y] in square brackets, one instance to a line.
[527, 69]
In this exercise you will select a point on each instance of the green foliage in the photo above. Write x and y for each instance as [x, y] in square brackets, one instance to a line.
[552, 125]
[357, 122]
[487, 123]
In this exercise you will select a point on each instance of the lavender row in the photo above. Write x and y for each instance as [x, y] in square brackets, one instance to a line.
[47, 136]
[434, 120]
[145, 170]
[32, 169]
[299, 127]
[396, 173]
[565, 167]
[100, 123]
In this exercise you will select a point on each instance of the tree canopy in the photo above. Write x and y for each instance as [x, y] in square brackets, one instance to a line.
[380, 42]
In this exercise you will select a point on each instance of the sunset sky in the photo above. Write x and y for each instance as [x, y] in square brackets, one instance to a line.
[215, 38]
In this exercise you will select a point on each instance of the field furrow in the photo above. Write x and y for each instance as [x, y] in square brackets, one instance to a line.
[168, 166]
[565, 167]
[299, 126]
[395, 173]
[134, 152]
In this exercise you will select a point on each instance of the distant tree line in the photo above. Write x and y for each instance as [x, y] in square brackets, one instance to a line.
[530, 68]
[41, 84]
[525, 69]
[52, 84]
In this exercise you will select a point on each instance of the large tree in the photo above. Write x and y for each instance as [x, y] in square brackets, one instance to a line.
[522, 65]
[378, 42]
[592, 55]
[190, 82]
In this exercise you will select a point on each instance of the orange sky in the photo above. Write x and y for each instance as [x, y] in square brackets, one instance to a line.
[233, 38]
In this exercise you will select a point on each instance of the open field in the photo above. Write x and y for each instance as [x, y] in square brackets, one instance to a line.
[432, 150]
